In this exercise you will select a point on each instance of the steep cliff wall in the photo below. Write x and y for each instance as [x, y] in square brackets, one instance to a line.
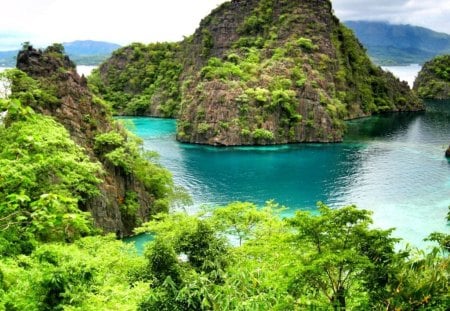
[89, 123]
[277, 71]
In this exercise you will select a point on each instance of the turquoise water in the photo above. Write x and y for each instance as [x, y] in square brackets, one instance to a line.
[393, 165]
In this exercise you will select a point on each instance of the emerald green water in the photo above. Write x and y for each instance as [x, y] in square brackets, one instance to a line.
[393, 165]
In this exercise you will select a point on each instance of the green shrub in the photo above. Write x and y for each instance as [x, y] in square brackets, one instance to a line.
[262, 134]
[108, 141]
[203, 128]
[306, 44]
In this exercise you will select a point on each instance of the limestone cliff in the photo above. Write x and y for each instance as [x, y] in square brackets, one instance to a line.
[87, 118]
[274, 72]
[433, 81]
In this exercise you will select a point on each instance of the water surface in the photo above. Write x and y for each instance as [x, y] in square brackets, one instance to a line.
[393, 165]
[85, 70]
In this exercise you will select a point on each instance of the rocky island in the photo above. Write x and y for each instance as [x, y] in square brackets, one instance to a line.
[255, 73]
[433, 81]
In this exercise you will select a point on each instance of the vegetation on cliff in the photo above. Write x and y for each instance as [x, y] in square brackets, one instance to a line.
[262, 72]
[433, 81]
[81, 155]
[141, 80]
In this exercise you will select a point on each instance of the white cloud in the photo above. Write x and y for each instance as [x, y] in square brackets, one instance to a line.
[47, 21]
[124, 21]
[432, 14]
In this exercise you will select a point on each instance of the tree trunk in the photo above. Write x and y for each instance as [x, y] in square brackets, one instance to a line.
[338, 299]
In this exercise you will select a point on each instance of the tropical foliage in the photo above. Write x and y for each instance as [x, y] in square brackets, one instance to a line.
[433, 81]
[148, 82]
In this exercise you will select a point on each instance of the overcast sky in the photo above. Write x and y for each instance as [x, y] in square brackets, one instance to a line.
[124, 21]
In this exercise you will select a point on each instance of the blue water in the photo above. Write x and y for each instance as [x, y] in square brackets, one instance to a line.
[393, 165]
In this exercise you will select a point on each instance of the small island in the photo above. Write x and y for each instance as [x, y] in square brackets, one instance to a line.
[433, 81]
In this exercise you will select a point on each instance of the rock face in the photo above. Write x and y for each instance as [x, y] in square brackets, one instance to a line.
[260, 72]
[280, 72]
[433, 81]
[447, 153]
[84, 118]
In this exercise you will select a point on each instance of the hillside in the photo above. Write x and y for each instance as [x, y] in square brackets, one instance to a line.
[433, 81]
[115, 182]
[389, 44]
[86, 52]
[255, 73]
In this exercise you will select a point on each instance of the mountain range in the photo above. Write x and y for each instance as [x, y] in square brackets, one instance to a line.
[82, 52]
[389, 44]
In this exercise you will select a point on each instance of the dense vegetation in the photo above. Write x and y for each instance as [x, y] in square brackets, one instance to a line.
[255, 72]
[334, 260]
[433, 81]
[389, 44]
[141, 80]
[60, 153]
[237, 257]
[76, 162]
[133, 185]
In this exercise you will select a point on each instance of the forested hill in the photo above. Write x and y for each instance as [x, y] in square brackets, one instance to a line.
[82, 52]
[433, 81]
[113, 181]
[389, 44]
[255, 73]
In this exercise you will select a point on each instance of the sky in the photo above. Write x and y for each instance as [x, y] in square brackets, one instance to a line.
[43, 22]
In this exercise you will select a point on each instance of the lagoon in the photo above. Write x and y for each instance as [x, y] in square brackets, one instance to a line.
[393, 165]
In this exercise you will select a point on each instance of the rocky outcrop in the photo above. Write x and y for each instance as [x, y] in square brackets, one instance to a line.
[85, 118]
[276, 72]
[260, 72]
[447, 153]
[433, 81]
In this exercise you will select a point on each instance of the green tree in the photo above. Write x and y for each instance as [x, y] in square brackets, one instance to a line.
[339, 255]
[44, 180]
[420, 282]
[242, 219]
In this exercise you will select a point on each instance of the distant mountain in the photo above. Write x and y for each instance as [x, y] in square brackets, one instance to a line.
[389, 44]
[85, 52]
[8, 58]
[89, 47]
